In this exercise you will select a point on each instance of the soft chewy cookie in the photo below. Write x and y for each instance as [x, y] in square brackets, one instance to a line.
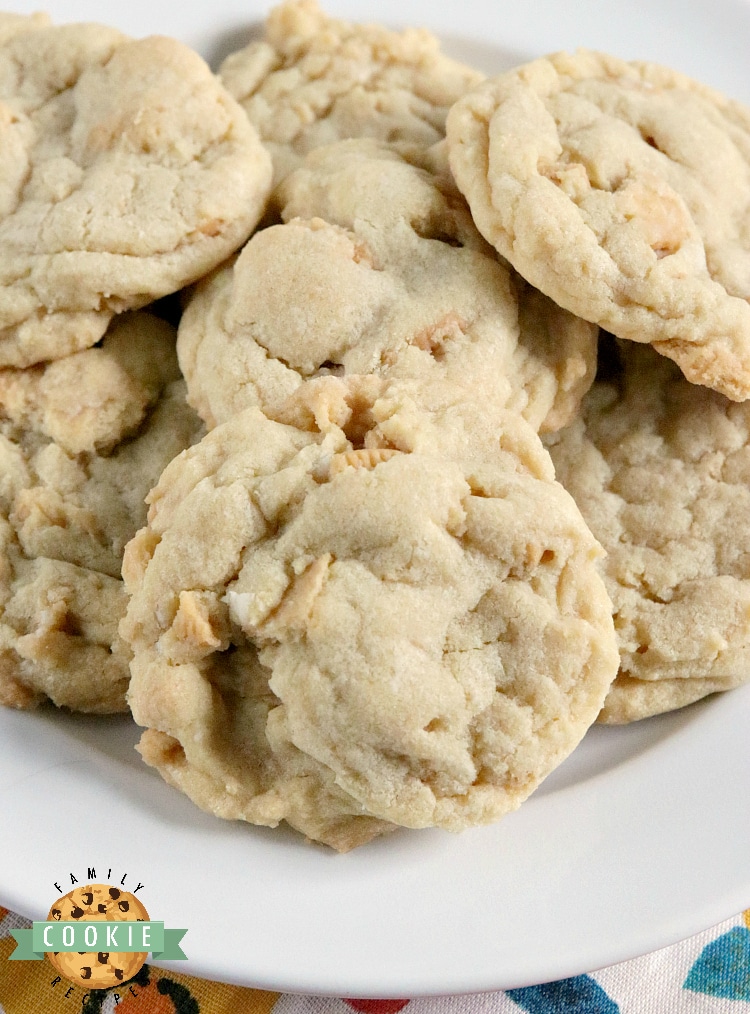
[314, 80]
[97, 903]
[126, 171]
[14, 24]
[621, 190]
[432, 635]
[378, 269]
[65, 518]
[660, 469]
[92, 399]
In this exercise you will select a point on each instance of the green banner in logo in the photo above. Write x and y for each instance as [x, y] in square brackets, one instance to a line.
[114, 937]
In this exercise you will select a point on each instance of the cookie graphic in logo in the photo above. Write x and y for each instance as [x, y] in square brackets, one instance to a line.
[97, 903]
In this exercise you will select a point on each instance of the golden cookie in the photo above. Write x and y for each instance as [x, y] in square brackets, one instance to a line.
[621, 190]
[660, 469]
[14, 24]
[65, 517]
[378, 269]
[315, 79]
[386, 604]
[91, 400]
[126, 171]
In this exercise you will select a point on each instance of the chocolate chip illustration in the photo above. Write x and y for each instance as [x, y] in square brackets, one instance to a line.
[103, 970]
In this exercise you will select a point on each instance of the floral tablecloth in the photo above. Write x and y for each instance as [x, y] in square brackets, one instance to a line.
[707, 973]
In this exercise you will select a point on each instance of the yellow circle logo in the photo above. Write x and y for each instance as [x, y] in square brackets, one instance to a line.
[97, 903]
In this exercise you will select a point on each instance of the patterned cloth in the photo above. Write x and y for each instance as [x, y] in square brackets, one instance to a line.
[707, 974]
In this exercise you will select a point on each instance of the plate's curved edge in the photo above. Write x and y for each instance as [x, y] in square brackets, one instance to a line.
[690, 754]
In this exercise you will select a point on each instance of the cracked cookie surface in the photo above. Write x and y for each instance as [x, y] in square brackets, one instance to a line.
[622, 191]
[66, 515]
[660, 469]
[428, 662]
[378, 268]
[126, 172]
[315, 80]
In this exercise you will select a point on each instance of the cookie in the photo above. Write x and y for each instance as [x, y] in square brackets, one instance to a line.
[630, 699]
[315, 80]
[97, 903]
[65, 519]
[58, 633]
[126, 172]
[92, 399]
[378, 269]
[621, 191]
[660, 469]
[14, 24]
[433, 658]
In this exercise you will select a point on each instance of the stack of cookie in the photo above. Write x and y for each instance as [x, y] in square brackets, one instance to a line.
[126, 172]
[82, 440]
[363, 600]
[621, 190]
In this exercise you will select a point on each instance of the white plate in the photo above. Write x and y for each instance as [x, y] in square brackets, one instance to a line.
[639, 839]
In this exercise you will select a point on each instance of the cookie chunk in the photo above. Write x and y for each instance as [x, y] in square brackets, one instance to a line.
[97, 903]
[660, 469]
[378, 269]
[126, 172]
[315, 80]
[621, 190]
[431, 659]
[65, 518]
